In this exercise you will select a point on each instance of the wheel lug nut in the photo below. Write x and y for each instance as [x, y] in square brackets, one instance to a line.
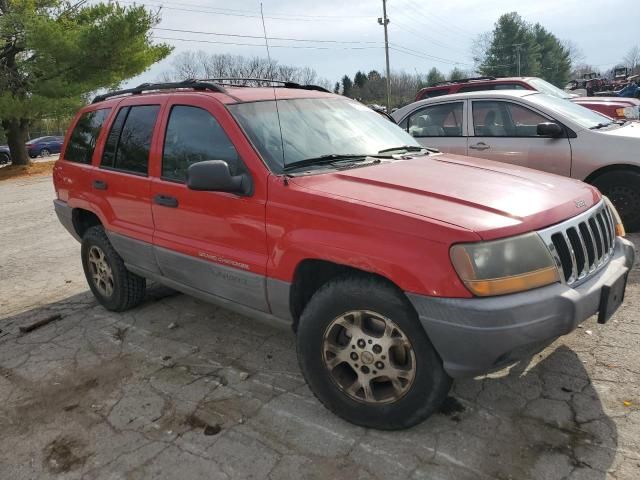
[361, 343]
[365, 369]
[370, 342]
[384, 357]
[354, 356]
[377, 349]
[379, 365]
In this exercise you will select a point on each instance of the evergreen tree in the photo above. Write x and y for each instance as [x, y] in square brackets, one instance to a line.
[336, 89]
[434, 76]
[360, 79]
[347, 86]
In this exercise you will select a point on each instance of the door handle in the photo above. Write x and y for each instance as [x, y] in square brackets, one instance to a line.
[480, 146]
[166, 201]
[99, 185]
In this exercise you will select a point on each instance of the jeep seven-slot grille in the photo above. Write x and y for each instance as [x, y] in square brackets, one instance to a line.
[583, 244]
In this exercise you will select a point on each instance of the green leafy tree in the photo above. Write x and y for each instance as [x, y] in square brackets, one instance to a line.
[53, 53]
[434, 76]
[457, 74]
[347, 86]
[360, 79]
[555, 61]
[512, 38]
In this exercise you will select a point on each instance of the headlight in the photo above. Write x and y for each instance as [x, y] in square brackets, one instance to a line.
[504, 266]
[620, 231]
[631, 113]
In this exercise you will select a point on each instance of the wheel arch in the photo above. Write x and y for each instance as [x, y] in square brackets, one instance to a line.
[611, 168]
[83, 219]
[312, 273]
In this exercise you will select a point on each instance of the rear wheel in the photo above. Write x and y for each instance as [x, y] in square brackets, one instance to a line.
[4, 158]
[623, 189]
[366, 357]
[45, 152]
[115, 287]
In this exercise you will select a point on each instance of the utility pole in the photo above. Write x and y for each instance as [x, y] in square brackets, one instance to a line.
[518, 45]
[384, 21]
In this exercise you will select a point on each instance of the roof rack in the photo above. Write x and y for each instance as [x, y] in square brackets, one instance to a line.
[284, 84]
[464, 80]
[147, 87]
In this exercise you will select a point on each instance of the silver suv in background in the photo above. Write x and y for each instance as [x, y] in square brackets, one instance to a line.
[538, 131]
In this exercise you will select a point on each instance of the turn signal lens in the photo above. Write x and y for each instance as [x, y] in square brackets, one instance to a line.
[504, 266]
[620, 231]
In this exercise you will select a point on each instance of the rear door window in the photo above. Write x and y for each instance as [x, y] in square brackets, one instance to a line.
[129, 140]
[83, 139]
[194, 135]
[443, 120]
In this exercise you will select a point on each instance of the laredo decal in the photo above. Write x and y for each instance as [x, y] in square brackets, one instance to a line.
[224, 261]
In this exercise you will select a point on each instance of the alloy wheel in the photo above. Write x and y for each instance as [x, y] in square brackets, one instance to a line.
[369, 357]
[101, 272]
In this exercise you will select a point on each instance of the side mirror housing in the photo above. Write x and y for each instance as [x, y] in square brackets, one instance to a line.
[215, 176]
[550, 129]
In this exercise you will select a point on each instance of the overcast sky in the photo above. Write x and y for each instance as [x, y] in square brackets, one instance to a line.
[436, 34]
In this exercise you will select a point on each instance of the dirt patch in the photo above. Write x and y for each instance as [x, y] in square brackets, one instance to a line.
[451, 407]
[64, 454]
[16, 171]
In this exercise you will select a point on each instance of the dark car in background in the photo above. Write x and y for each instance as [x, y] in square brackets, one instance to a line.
[44, 146]
[5, 155]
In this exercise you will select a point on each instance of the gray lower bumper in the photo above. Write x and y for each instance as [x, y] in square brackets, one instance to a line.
[65, 215]
[478, 335]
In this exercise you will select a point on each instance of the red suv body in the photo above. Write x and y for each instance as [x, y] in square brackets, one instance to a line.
[614, 107]
[398, 267]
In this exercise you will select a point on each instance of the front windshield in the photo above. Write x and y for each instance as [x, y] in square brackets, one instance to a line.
[545, 87]
[583, 116]
[316, 127]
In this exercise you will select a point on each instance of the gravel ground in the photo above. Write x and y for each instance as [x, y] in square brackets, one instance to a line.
[100, 395]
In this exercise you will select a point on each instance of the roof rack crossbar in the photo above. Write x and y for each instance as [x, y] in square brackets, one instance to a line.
[284, 83]
[464, 80]
[147, 87]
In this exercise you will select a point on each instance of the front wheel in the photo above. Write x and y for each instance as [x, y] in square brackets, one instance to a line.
[623, 189]
[366, 357]
[45, 152]
[4, 159]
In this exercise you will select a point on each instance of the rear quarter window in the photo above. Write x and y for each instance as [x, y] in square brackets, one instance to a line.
[82, 142]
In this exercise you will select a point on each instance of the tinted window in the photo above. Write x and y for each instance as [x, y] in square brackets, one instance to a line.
[477, 88]
[437, 121]
[504, 119]
[83, 138]
[131, 141]
[194, 135]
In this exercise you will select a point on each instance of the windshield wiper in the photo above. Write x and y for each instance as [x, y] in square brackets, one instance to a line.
[408, 148]
[323, 160]
[601, 125]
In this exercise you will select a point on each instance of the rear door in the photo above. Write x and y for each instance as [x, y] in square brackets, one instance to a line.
[122, 184]
[440, 126]
[213, 242]
[506, 131]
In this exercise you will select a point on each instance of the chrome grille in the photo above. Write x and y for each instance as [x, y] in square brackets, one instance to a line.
[582, 245]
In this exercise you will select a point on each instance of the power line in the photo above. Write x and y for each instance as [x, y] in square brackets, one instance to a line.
[423, 36]
[240, 15]
[214, 42]
[199, 32]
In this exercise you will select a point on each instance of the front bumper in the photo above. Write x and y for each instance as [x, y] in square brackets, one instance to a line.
[477, 335]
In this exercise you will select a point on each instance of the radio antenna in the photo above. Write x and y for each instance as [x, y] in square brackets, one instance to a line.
[273, 86]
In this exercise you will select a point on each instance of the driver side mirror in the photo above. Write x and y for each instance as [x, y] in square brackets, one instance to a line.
[550, 129]
[215, 176]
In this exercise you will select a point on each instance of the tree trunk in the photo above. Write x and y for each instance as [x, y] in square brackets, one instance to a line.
[16, 132]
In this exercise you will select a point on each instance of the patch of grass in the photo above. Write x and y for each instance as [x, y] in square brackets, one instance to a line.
[17, 171]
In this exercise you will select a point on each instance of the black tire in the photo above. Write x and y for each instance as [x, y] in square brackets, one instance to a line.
[45, 152]
[128, 288]
[623, 189]
[4, 159]
[354, 292]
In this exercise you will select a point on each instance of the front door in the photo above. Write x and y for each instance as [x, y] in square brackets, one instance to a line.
[213, 242]
[507, 132]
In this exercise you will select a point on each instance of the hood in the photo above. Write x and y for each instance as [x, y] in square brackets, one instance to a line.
[612, 101]
[490, 198]
[630, 131]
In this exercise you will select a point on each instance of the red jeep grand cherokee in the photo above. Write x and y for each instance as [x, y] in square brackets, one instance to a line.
[614, 107]
[399, 268]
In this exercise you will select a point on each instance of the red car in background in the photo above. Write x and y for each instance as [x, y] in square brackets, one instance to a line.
[615, 107]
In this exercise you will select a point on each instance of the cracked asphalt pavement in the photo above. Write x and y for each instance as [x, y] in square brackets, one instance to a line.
[100, 395]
